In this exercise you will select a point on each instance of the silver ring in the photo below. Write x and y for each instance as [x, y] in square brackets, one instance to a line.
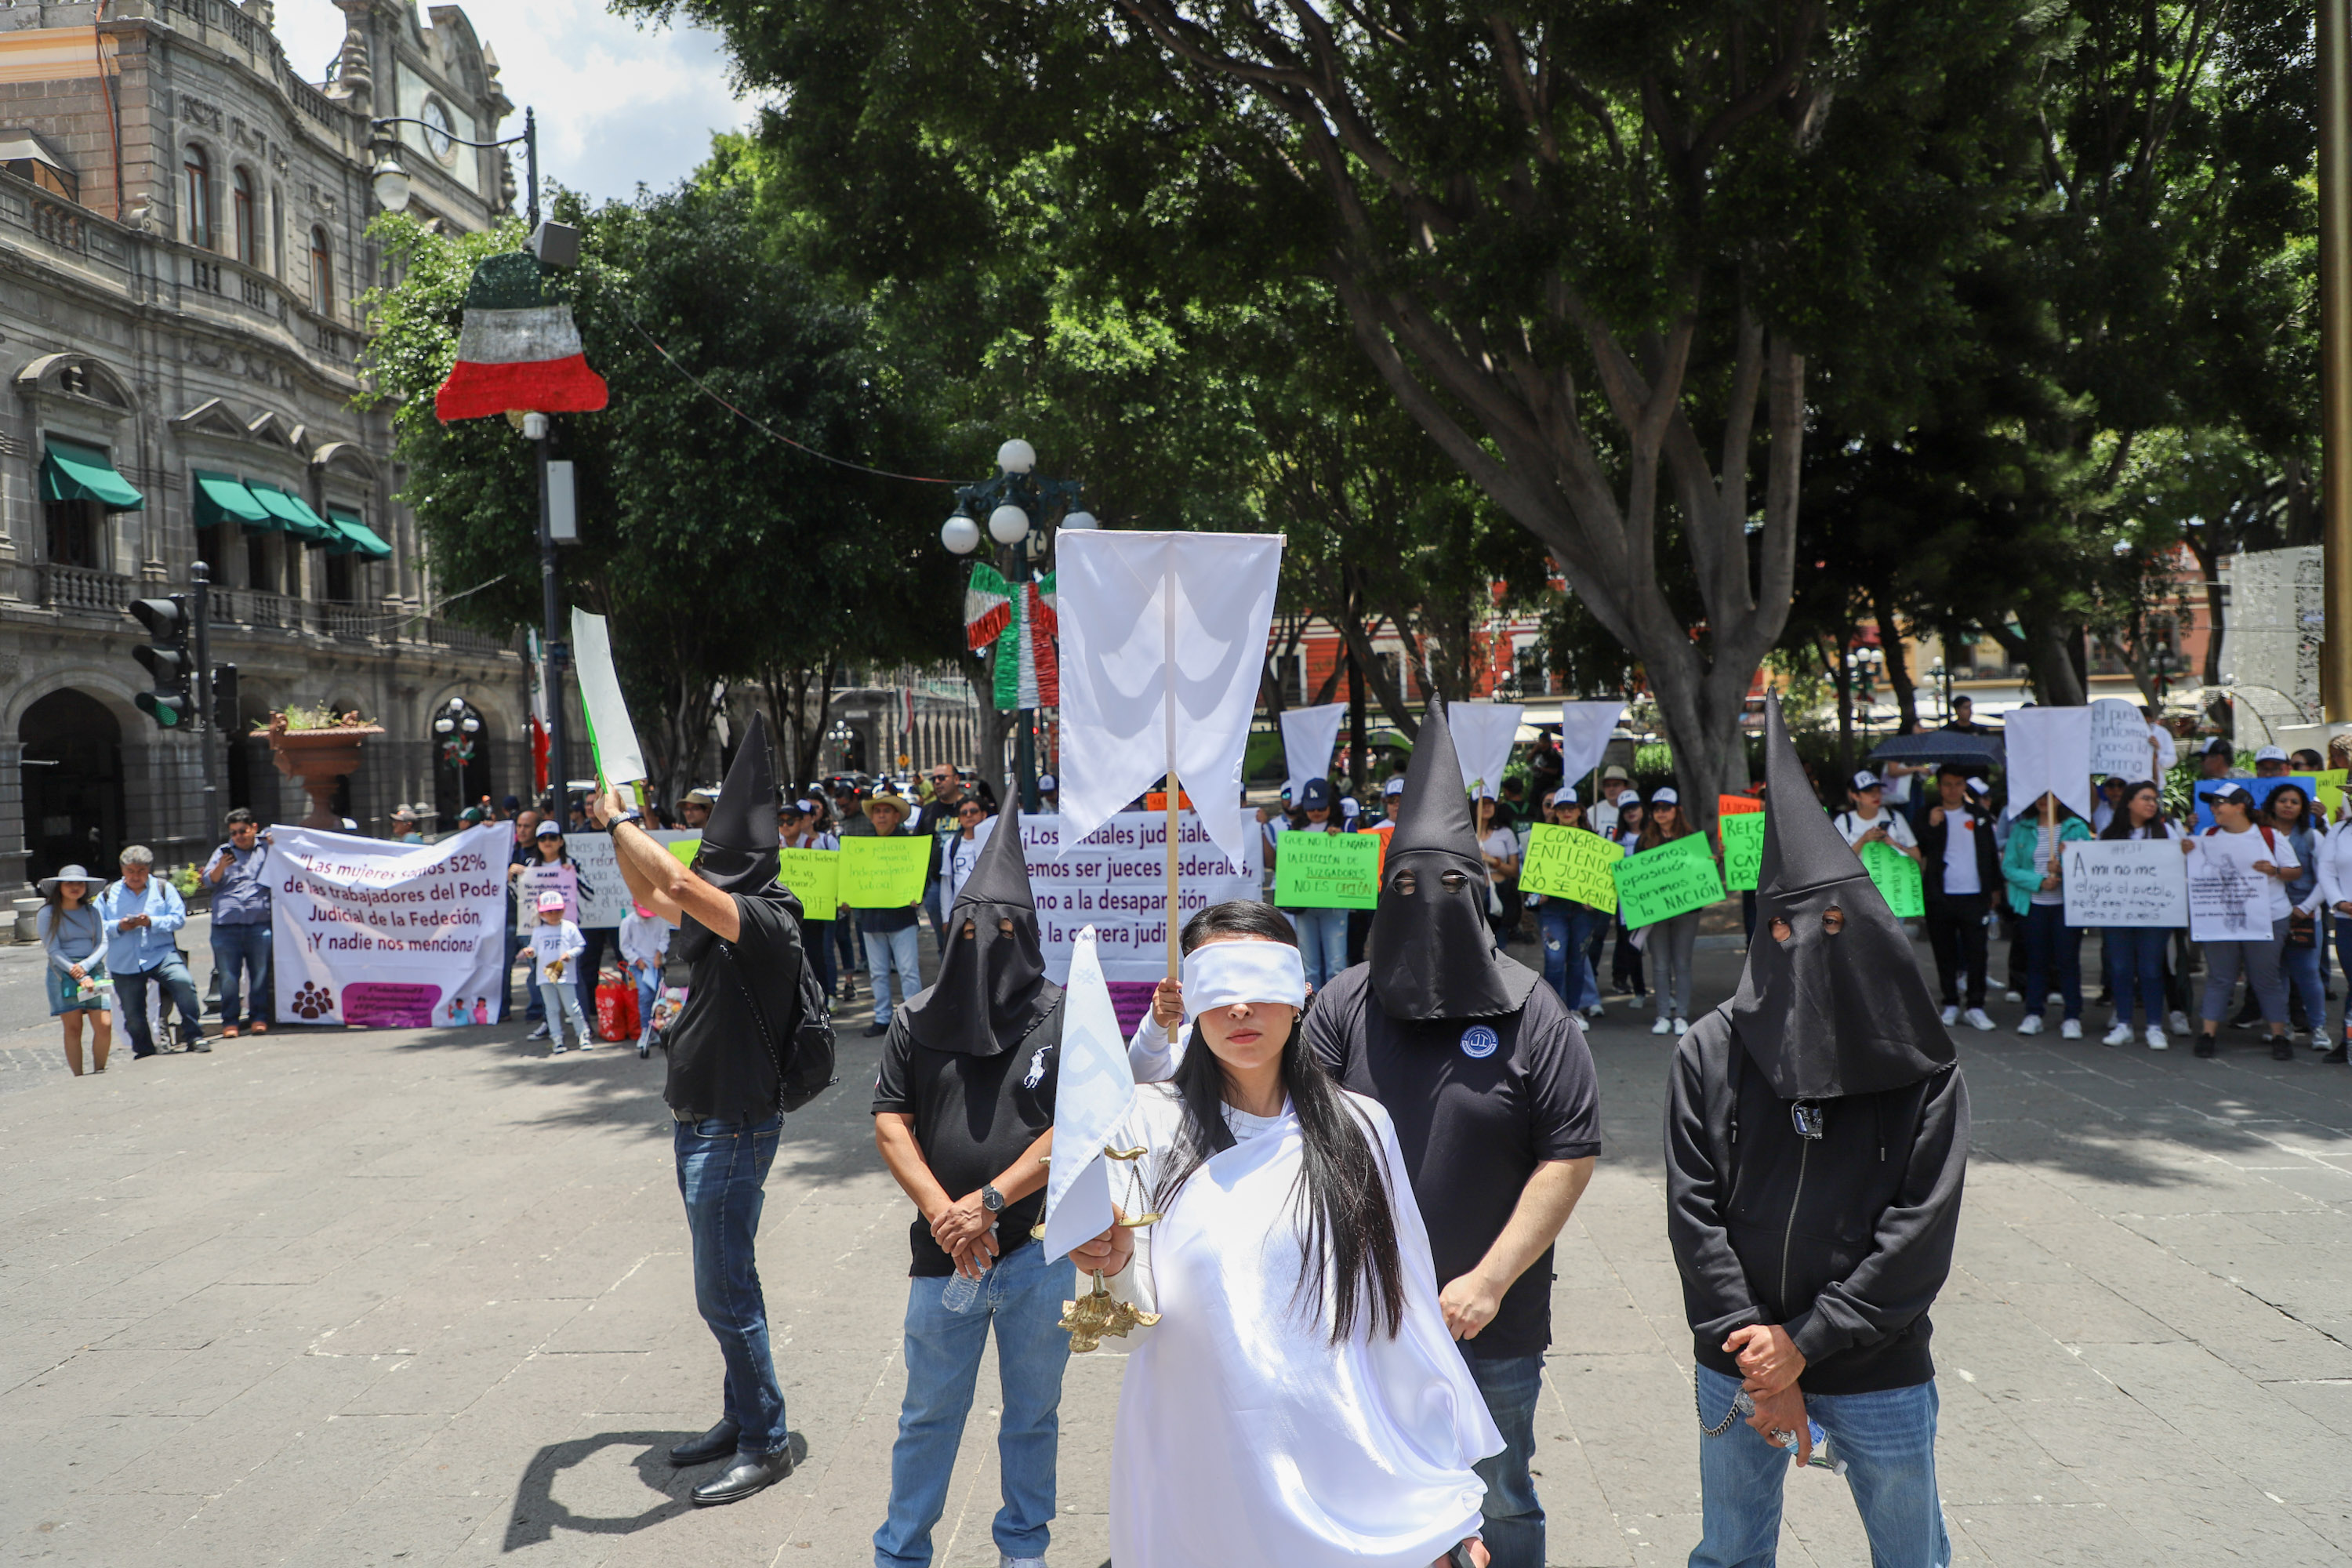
[1783, 1438]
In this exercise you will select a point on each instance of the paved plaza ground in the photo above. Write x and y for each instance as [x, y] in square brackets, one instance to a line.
[421, 1297]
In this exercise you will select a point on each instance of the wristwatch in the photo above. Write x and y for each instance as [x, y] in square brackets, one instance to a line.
[991, 1199]
[631, 814]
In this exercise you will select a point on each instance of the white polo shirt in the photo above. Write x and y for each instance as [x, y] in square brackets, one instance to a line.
[1853, 825]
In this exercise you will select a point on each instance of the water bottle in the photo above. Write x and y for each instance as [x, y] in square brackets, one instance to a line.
[1822, 1458]
[962, 1288]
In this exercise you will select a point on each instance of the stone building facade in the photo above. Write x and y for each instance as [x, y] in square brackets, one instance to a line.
[183, 246]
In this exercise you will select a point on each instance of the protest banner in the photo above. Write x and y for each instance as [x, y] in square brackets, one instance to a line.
[1114, 880]
[2229, 900]
[2258, 788]
[2327, 791]
[1571, 863]
[2119, 742]
[1743, 849]
[878, 873]
[814, 876]
[1326, 871]
[1737, 804]
[684, 843]
[378, 934]
[542, 877]
[603, 898]
[1673, 878]
[1897, 876]
[2126, 882]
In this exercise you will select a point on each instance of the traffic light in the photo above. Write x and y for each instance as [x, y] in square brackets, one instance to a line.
[224, 699]
[171, 666]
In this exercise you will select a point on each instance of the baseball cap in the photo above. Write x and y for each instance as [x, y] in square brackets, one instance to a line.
[2271, 755]
[1865, 780]
[550, 828]
[1314, 795]
[1564, 796]
[1665, 796]
[1347, 806]
[2218, 743]
[1394, 787]
[549, 900]
[2236, 792]
[1047, 783]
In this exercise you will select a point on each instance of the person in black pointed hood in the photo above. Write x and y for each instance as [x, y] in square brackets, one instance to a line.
[1817, 1140]
[1486, 1073]
[739, 933]
[963, 1107]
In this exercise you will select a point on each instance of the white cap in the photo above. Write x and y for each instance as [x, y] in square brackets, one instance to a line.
[1564, 796]
[1978, 787]
[1865, 780]
[1485, 792]
[1347, 806]
[1394, 786]
[1665, 796]
[2271, 755]
[1047, 784]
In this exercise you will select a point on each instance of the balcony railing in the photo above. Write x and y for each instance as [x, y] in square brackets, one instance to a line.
[80, 588]
[255, 611]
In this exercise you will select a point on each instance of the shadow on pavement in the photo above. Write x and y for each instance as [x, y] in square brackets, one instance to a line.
[538, 1516]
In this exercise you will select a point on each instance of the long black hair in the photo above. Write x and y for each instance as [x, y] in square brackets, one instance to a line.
[1351, 1232]
[2120, 825]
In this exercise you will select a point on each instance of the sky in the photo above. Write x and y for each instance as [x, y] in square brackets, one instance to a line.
[618, 106]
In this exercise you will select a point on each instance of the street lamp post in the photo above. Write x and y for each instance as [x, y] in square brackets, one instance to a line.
[1024, 511]
[457, 725]
[391, 182]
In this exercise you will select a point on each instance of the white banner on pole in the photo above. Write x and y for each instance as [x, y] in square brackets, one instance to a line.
[1093, 1084]
[2127, 882]
[2229, 900]
[1115, 881]
[384, 935]
[2049, 750]
[610, 734]
[1308, 734]
[2120, 747]
[1584, 732]
[1146, 617]
[1484, 734]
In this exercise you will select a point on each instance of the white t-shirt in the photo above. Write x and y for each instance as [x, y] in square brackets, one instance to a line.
[1853, 825]
[1502, 843]
[1602, 819]
[551, 941]
[1960, 877]
[2280, 852]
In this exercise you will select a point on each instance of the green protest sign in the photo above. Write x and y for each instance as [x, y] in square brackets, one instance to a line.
[1673, 878]
[877, 873]
[1743, 850]
[1897, 877]
[1327, 871]
[1569, 863]
[812, 875]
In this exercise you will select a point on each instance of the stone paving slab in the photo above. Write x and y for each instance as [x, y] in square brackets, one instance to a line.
[423, 1298]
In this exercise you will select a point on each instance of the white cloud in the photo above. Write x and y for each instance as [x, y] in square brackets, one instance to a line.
[619, 105]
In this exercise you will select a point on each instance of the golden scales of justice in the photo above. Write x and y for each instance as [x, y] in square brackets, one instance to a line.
[1098, 1314]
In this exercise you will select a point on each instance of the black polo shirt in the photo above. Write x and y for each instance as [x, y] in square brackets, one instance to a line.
[1478, 1103]
[743, 1006]
[973, 1115]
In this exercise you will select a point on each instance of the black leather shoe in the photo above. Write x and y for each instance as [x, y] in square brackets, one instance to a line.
[2281, 1051]
[752, 1473]
[2205, 1045]
[715, 1444]
[874, 1030]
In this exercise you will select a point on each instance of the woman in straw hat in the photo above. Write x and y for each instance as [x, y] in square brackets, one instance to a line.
[74, 939]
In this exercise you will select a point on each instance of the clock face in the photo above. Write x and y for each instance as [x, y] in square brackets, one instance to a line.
[437, 130]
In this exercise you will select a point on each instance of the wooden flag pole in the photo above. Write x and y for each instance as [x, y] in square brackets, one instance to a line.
[1175, 950]
[1168, 646]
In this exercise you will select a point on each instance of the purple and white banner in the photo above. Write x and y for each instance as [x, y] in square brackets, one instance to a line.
[1116, 880]
[388, 936]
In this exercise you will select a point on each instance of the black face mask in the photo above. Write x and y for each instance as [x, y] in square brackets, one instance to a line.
[1430, 950]
[1826, 1014]
[991, 989]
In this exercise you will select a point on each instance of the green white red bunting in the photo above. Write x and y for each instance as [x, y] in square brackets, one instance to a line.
[1018, 618]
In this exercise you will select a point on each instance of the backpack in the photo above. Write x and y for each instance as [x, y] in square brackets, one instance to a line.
[809, 1070]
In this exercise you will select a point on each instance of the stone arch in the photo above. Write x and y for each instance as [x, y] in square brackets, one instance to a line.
[78, 378]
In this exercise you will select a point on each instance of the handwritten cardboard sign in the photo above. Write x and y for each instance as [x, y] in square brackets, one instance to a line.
[1326, 871]
[1569, 863]
[815, 877]
[2229, 900]
[1897, 876]
[878, 873]
[2127, 882]
[2119, 740]
[1673, 878]
[1743, 849]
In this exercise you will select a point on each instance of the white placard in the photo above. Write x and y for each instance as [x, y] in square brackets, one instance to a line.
[610, 735]
[1484, 734]
[1092, 1086]
[379, 934]
[1309, 735]
[2229, 900]
[2127, 882]
[1116, 881]
[2049, 750]
[2119, 740]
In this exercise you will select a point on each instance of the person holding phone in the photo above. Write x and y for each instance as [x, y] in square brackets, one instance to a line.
[238, 875]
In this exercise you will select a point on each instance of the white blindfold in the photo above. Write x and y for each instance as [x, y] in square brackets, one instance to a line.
[1219, 974]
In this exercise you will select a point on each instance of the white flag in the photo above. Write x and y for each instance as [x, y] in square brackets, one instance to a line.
[2048, 749]
[1307, 736]
[1483, 736]
[1091, 1090]
[610, 734]
[1163, 638]
[1584, 732]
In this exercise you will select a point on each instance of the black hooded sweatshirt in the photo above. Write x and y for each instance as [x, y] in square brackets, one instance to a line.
[1842, 1238]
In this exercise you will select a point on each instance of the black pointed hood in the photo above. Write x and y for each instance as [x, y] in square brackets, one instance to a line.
[739, 839]
[1430, 950]
[1825, 1016]
[991, 989]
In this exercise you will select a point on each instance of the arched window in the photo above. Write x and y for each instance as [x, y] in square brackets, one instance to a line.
[322, 272]
[241, 200]
[199, 169]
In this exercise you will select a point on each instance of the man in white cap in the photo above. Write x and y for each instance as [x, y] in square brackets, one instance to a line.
[1049, 797]
[1869, 821]
[2271, 762]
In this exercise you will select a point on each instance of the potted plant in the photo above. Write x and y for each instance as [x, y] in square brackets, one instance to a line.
[319, 747]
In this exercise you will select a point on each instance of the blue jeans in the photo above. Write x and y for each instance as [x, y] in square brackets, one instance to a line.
[2303, 970]
[889, 952]
[1514, 1531]
[816, 941]
[2136, 967]
[1022, 1296]
[130, 1001]
[1564, 929]
[722, 1166]
[649, 978]
[238, 951]
[2054, 960]
[1322, 943]
[1888, 1442]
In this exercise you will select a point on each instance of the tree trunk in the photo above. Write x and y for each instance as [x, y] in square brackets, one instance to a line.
[1841, 667]
[2217, 602]
[1898, 666]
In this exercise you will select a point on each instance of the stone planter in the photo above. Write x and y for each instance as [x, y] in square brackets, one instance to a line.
[318, 758]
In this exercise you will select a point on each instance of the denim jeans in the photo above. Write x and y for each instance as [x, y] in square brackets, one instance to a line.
[1565, 928]
[722, 1166]
[589, 966]
[2054, 960]
[1322, 943]
[2260, 961]
[888, 953]
[1888, 1442]
[561, 1001]
[1022, 1296]
[2301, 965]
[130, 1001]
[816, 941]
[1514, 1531]
[2135, 967]
[239, 952]
[648, 977]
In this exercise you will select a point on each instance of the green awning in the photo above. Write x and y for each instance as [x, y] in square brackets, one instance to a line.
[222, 500]
[72, 471]
[295, 513]
[356, 535]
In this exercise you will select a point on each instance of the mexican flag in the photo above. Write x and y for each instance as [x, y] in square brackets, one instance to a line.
[1018, 618]
[518, 351]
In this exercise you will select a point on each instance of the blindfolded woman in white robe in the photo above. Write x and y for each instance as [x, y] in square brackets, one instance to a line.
[1301, 1400]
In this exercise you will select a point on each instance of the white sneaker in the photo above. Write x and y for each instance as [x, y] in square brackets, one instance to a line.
[1951, 1017]
[2070, 1030]
[2030, 1025]
[1663, 1026]
[1682, 1028]
[538, 1033]
[1595, 1011]
[1978, 1019]
[2010, 997]
[2179, 1022]
[2118, 1036]
[2156, 1040]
